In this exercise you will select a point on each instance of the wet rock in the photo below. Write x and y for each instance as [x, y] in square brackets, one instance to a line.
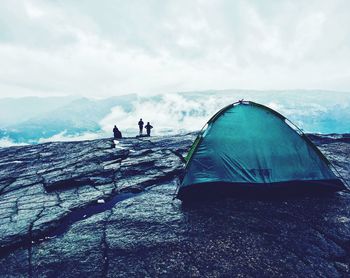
[49, 229]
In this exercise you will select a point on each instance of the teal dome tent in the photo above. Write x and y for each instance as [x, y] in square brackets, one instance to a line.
[250, 146]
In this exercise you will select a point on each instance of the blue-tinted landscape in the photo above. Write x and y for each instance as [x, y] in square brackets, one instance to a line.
[213, 182]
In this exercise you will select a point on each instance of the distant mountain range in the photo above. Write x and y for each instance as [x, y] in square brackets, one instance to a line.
[30, 119]
[35, 119]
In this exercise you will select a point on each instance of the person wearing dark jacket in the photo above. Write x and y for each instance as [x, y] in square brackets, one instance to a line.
[148, 128]
[117, 133]
[140, 126]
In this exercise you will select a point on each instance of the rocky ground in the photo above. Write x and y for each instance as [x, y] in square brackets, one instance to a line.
[87, 209]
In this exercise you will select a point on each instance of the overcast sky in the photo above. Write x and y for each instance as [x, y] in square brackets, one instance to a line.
[109, 47]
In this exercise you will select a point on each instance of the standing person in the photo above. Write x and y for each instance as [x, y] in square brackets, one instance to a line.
[148, 127]
[140, 126]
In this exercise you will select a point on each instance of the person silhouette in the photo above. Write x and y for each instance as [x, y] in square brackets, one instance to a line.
[140, 126]
[117, 133]
[148, 128]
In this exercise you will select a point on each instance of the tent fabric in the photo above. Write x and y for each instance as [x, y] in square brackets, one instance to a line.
[248, 143]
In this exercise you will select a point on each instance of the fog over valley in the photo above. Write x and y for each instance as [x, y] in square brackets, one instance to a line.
[31, 120]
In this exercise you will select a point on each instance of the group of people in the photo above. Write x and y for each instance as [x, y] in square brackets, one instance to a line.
[117, 133]
[148, 128]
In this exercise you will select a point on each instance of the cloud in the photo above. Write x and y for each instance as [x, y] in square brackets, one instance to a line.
[64, 137]
[171, 113]
[176, 113]
[313, 111]
[7, 142]
[115, 47]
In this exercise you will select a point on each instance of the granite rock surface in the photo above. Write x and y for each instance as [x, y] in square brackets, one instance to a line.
[90, 209]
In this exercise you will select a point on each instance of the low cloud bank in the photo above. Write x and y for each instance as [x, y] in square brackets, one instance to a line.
[7, 142]
[64, 137]
[169, 114]
[177, 113]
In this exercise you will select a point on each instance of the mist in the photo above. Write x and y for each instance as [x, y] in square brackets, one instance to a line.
[171, 113]
[184, 112]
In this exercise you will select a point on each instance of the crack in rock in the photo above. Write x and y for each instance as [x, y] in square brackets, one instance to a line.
[105, 247]
[31, 241]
